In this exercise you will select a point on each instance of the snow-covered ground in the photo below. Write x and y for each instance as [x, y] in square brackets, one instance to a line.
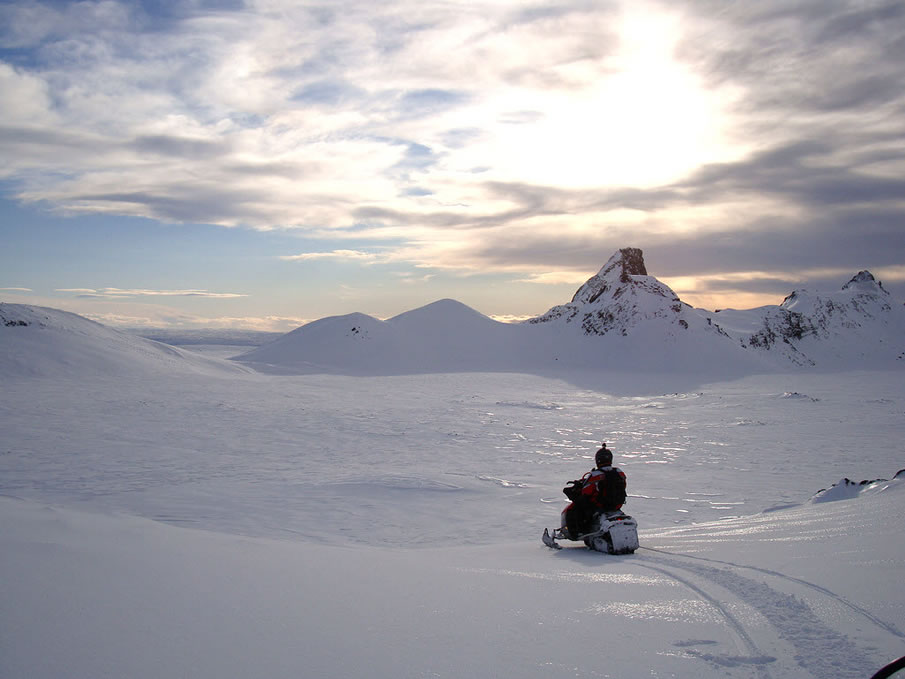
[231, 524]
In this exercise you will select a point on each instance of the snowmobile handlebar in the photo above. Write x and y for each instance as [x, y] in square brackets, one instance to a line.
[572, 490]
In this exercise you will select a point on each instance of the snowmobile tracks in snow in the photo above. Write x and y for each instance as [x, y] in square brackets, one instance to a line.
[817, 648]
[755, 657]
[888, 626]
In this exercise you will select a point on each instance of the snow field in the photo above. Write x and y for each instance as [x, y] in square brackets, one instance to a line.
[435, 459]
[327, 526]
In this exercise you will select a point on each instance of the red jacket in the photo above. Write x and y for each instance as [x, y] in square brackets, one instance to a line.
[594, 489]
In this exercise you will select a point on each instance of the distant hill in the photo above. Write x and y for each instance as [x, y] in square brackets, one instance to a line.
[44, 342]
[445, 336]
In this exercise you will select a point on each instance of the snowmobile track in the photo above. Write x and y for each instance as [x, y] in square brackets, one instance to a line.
[756, 658]
[818, 649]
[887, 626]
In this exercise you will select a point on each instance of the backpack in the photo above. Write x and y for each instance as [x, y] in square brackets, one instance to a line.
[611, 489]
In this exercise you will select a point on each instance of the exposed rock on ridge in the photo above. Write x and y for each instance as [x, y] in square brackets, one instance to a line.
[865, 281]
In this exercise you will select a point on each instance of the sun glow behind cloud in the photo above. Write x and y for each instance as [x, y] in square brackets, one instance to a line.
[642, 119]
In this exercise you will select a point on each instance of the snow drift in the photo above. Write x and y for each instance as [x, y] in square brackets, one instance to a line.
[847, 489]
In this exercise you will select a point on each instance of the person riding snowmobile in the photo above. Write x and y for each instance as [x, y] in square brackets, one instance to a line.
[600, 490]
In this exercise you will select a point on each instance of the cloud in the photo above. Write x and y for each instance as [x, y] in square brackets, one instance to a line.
[511, 318]
[555, 278]
[183, 147]
[26, 97]
[167, 319]
[409, 278]
[30, 24]
[431, 101]
[114, 293]
[354, 255]
[215, 116]
[16, 289]
[815, 57]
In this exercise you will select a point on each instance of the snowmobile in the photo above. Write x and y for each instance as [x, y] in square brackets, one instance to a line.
[609, 532]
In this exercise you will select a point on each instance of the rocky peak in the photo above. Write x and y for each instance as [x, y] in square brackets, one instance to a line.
[619, 297]
[624, 264]
[864, 281]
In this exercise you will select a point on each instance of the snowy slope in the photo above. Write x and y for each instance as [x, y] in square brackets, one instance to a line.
[355, 341]
[39, 341]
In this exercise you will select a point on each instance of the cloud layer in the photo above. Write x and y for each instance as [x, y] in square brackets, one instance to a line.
[117, 293]
[745, 147]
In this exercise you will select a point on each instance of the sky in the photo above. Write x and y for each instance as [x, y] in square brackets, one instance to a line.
[260, 164]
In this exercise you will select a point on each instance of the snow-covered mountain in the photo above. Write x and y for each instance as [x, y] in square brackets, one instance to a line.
[621, 319]
[857, 326]
[39, 341]
[637, 321]
[622, 296]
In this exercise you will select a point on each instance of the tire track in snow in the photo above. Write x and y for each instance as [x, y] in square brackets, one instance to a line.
[757, 659]
[818, 649]
[888, 626]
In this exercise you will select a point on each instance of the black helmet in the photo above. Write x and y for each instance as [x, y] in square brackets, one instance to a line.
[604, 457]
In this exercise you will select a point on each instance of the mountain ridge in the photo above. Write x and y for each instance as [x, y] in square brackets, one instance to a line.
[622, 319]
[808, 328]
